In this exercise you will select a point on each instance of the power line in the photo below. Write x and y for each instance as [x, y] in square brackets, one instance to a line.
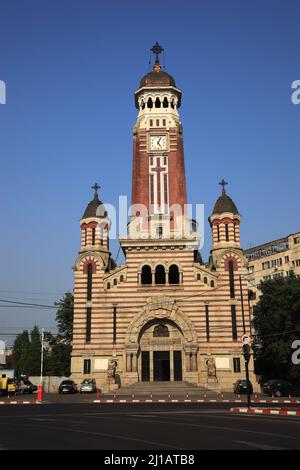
[27, 303]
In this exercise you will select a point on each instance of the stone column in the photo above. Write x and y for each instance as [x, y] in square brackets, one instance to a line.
[128, 362]
[187, 362]
[134, 362]
[151, 366]
[171, 365]
[194, 362]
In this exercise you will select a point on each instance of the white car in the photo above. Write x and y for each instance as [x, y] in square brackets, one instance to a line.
[88, 386]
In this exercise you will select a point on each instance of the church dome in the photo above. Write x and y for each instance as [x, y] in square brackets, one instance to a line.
[225, 203]
[95, 208]
[157, 78]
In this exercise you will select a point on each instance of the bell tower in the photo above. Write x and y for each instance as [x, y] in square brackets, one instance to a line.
[158, 177]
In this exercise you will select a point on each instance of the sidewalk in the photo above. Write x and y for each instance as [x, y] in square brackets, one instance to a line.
[200, 397]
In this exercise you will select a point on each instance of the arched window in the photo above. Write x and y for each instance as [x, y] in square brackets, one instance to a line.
[205, 280]
[231, 279]
[234, 232]
[172, 103]
[212, 283]
[173, 274]
[160, 275]
[108, 285]
[93, 236]
[143, 104]
[146, 275]
[198, 277]
[150, 103]
[121, 278]
[157, 103]
[115, 282]
[101, 236]
[227, 232]
[85, 236]
[161, 331]
[89, 281]
[165, 102]
[218, 232]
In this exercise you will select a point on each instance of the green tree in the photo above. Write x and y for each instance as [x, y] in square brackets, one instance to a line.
[57, 349]
[34, 366]
[27, 352]
[61, 345]
[277, 325]
[21, 353]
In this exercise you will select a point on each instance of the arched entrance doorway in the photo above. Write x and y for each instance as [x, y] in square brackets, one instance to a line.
[160, 352]
[160, 344]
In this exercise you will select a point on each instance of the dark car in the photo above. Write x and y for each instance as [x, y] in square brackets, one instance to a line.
[278, 388]
[25, 386]
[241, 386]
[67, 386]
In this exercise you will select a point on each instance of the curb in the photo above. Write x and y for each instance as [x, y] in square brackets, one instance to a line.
[20, 402]
[130, 400]
[265, 411]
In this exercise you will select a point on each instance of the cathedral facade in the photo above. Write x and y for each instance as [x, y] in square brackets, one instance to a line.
[163, 315]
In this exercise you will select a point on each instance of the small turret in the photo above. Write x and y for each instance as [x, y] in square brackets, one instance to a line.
[95, 225]
[225, 222]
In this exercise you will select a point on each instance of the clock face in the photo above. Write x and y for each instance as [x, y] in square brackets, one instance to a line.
[158, 142]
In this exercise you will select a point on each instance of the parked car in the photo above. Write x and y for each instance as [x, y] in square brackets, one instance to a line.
[12, 386]
[88, 386]
[25, 386]
[241, 386]
[67, 386]
[278, 388]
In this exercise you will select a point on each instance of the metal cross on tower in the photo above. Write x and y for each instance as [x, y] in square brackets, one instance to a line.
[223, 183]
[157, 49]
[96, 187]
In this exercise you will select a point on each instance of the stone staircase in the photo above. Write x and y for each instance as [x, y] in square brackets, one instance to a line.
[161, 389]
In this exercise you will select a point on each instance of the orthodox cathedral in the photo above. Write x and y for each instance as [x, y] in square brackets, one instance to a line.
[163, 315]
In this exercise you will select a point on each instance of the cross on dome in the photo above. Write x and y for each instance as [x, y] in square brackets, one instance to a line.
[223, 183]
[96, 187]
[157, 49]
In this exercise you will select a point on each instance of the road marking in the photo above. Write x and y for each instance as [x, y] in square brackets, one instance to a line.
[222, 428]
[158, 445]
[261, 446]
[57, 420]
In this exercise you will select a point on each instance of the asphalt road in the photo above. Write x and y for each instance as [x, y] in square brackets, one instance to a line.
[142, 427]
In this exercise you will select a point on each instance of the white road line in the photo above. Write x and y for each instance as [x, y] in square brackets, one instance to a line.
[261, 446]
[159, 445]
[222, 428]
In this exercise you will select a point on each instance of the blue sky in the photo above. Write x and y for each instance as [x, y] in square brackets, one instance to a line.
[71, 68]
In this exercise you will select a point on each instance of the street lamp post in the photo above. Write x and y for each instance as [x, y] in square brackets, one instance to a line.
[246, 347]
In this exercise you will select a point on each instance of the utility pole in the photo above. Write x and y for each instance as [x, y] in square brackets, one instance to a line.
[42, 356]
[40, 387]
[246, 347]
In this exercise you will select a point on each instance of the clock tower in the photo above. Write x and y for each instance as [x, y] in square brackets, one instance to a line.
[158, 183]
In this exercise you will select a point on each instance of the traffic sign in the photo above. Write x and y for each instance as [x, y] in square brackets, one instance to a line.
[246, 339]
